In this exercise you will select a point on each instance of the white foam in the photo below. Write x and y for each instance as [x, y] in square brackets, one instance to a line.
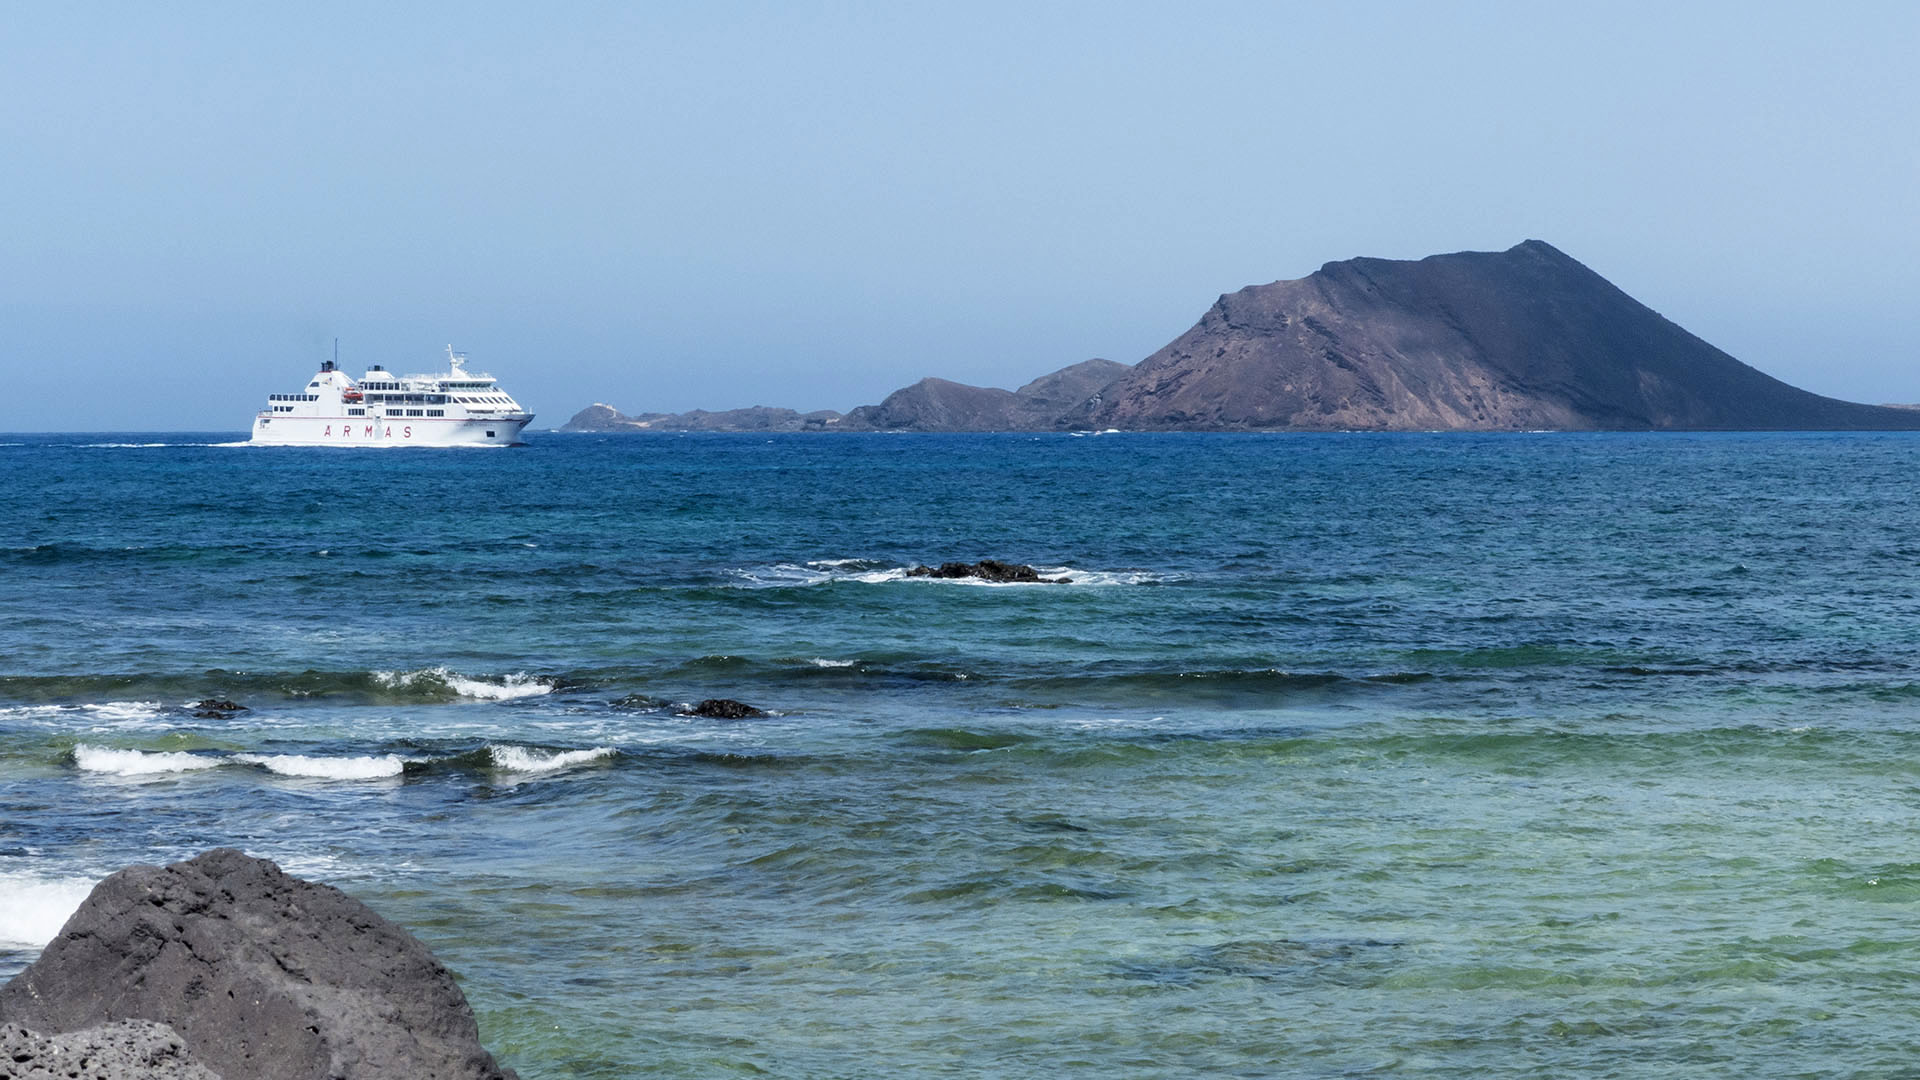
[103, 759]
[33, 907]
[1050, 573]
[328, 768]
[867, 572]
[819, 572]
[508, 688]
[820, 662]
[145, 715]
[1102, 577]
[125, 710]
[525, 759]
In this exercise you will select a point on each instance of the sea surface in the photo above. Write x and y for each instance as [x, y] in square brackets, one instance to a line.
[1411, 755]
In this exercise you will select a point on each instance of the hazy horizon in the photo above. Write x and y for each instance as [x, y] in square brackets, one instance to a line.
[719, 206]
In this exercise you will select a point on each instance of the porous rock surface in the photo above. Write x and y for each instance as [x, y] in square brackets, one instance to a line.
[263, 975]
[724, 709]
[122, 1050]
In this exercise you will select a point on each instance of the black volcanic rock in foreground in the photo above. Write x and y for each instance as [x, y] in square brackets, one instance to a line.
[263, 975]
[1523, 339]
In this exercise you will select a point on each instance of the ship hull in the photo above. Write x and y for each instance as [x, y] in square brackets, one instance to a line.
[388, 431]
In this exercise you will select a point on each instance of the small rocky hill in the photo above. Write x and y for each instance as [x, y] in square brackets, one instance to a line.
[600, 417]
[941, 405]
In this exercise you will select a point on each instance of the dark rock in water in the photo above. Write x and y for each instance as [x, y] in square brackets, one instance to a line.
[988, 570]
[725, 709]
[126, 1050]
[262, 974]
[219, 705]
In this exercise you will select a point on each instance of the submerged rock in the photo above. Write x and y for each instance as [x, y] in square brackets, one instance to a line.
[640, 703]
[216, 709]
[125, 1050]
[725, 709]
[989, 570]
[263, 975]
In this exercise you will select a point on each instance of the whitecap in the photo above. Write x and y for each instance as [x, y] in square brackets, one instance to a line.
[327, 768]
[1102, 577]
[527, 759]
[121, 711]
[1051, 574]
[825, 663]
[820, 572]
[136, 715]
[868, 572]
[508, 688]
[33, 907]
[104, 759]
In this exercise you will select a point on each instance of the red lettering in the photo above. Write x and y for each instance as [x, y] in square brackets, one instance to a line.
[389, 431]
[369, 429]
[407, 431]
[329, 430]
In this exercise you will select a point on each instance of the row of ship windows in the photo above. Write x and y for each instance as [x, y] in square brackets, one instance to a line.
[380, 399]
[398, 386]
[440, 399]
[428, 399]
[390, 412]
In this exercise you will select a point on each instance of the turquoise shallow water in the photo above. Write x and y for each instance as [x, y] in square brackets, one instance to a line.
[1417, 755]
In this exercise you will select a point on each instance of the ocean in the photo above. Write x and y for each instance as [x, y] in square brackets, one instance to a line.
[1340, 754]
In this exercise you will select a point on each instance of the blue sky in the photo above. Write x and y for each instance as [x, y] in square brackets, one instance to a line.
[669, 206]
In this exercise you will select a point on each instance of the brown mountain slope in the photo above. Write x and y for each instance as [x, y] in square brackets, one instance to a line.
[942, 405]
[1522, 339]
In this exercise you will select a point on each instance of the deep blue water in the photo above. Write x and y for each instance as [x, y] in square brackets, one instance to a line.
[1420, 754]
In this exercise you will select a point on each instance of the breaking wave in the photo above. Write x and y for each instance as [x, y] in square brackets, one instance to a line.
[37, 907]
[328, 768]
[429, 680]
[102, 759]
[528, 760]
[153, 695]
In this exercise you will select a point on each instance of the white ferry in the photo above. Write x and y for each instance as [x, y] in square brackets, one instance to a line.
[453, 408]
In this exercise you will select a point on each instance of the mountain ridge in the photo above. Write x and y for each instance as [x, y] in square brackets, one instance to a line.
[1523, 339]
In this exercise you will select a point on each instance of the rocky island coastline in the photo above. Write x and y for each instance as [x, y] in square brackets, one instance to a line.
[1527, 339]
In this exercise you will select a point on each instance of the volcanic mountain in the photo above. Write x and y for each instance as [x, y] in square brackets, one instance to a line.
[1522, 339]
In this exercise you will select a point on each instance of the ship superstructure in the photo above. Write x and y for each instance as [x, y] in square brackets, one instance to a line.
[451, 408]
